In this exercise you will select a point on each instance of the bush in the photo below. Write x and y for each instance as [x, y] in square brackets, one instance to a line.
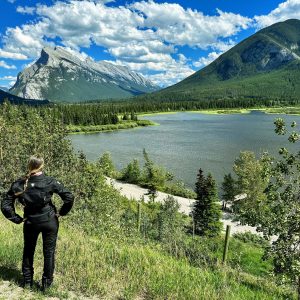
[249, 237]
[132, 172]
[179, 189]
[106, 164]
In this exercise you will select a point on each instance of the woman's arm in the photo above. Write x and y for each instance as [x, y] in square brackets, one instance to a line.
[65, 195]
[8, 207]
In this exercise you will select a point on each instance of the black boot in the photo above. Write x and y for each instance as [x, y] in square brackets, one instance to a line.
[46, 283]
[27, 282]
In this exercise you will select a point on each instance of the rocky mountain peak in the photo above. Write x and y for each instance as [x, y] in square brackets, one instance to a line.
[65, 75]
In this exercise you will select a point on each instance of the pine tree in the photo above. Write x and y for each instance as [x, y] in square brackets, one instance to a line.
[206, 211]
[115, 119]
[228, 188]
[133, 117]
[125, 117]
[132, 172]
[106, 164]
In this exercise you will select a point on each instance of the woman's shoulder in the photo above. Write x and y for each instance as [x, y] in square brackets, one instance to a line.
[50, 179]
[43, 177]
[18, 185]
[18, 181]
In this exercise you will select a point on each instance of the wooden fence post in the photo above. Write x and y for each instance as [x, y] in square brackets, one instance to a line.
[193, 220]
[226, 243]
[299, 288]
[139, 217]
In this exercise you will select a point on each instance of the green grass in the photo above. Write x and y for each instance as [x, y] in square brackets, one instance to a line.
[295, 110]
[73, 129]
[292, 110]
[157, 113]
[221, 111]
[205, 111]
[133, 269]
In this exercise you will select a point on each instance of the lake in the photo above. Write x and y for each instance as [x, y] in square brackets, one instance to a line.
[185, 142]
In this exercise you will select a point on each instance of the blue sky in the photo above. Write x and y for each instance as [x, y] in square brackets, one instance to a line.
[166, 41]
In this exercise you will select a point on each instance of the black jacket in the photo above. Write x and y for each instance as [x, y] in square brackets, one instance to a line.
[36, 197]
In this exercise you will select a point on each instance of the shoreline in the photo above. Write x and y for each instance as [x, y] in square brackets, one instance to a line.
[135, 192]
[88, 129]
[229, 111]
[82, 129]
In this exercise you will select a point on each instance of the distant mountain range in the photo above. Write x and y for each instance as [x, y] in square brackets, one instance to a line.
[18, 100]
[60, 75]
[264, 66]
[3, 88]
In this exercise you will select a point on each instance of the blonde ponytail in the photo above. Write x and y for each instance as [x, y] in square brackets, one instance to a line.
[35, 164]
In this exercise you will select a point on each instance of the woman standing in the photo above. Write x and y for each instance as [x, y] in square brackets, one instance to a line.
[34, 191]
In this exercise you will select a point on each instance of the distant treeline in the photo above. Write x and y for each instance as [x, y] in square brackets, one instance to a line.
[112, 112]
[83, 114]
[100, 113]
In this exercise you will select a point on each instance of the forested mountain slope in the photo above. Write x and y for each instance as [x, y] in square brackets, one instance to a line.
[265, 66]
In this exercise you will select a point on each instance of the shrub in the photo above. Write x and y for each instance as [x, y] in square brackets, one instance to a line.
[249, 237]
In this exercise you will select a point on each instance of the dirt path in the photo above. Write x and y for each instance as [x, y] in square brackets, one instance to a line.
[132, 191]
[11, 291]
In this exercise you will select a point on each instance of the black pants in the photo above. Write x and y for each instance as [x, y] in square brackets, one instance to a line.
[49, 232]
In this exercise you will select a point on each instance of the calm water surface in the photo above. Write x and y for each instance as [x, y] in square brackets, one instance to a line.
[185, 142]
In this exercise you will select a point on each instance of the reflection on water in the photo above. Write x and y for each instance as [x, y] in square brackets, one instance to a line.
[185, 142]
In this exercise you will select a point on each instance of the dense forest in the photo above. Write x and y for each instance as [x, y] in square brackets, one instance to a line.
[111, 112]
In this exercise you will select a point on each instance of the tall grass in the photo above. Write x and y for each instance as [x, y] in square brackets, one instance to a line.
[132, 269]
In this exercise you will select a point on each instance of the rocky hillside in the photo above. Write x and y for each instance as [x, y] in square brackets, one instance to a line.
[60, 75]
[267, 64]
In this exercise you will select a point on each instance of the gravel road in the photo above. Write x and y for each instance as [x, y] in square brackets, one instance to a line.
[132, 191]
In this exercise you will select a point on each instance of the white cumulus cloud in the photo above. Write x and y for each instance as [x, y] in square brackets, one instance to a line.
[289, 9]
[26, 40]
[4, 65]
[204, 61]
[181, 26]
[103, 1]
[171, 76]
[12, 55]
[8, 78]
[26, 10]
[142, 35]
[167, 71]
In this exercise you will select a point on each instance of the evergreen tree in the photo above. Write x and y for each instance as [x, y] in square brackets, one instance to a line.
[132, 172]
[106, 164]
[228, 188]
[154, 176]
[206, 211]
[125, 117]
[115, 119]
[133, 117]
